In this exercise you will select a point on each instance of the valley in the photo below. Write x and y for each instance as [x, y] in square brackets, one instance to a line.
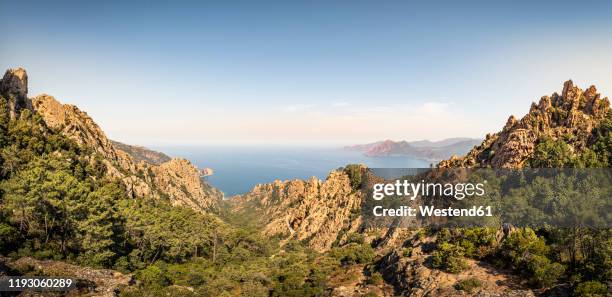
[125, 221]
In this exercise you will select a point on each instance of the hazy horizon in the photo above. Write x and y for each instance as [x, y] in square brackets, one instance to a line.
[311, 73]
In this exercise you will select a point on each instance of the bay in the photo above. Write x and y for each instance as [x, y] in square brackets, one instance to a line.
[238, 169]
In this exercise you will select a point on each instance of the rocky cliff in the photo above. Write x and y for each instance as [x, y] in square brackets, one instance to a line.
[14, 85]
[570, 116]
[313, 211]
[176, 179]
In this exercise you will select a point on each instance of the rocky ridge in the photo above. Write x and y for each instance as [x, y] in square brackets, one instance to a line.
[314, 211]
[176, 179]
[571, 116]
[319, 213]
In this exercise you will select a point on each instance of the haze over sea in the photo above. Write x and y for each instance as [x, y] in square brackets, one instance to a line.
[238, 169]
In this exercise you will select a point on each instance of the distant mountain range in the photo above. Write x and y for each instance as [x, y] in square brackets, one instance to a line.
[423, 149]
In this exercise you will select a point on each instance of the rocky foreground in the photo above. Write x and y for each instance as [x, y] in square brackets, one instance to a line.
[89, 281]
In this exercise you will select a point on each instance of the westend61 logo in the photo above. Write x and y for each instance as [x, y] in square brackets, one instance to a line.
[530, 197]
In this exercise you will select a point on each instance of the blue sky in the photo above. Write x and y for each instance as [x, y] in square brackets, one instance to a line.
[305, 72]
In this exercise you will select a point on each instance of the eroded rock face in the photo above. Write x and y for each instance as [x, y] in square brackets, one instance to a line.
[574, 113]
[15, 82]
[181, 179]
[75, 124]
[314, 211]
[177, 180]
[14, 85]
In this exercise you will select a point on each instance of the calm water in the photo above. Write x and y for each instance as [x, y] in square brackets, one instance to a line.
[238, 169]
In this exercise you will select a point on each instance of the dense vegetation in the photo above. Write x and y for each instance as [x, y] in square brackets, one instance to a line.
[546, 256]
[550, 153]
[56, 202]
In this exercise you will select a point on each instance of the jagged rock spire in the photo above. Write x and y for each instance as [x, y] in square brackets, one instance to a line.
[574, 113]
[15, 82]
[14, 88]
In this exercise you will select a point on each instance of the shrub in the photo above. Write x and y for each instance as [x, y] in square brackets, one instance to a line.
[544, 273]
[354, 173]
[528, 252]
[153, 276]
[591, 289]
[421, 234]
[375, 279]
[476, 242]
[407, 251]
[468, 284]
[521, 243]
[449, 257]
[551, 153]
[355, 238]
[7, 235]
[353, 254]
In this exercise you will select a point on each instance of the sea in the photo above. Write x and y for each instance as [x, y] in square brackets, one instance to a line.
[238, 169]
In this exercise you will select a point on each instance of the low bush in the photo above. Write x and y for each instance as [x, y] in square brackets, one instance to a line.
[449, 257]
[375, 279]
[353, 254]
[468, 284]
[591, 289]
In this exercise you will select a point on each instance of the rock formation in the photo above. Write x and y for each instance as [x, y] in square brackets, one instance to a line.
[14, 85]
[176, 179]
[314, 211]
[411, 275]
[75, 124]
[571, 116]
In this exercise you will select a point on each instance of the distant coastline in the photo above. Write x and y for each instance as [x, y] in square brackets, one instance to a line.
[432, 151]
[238, 169]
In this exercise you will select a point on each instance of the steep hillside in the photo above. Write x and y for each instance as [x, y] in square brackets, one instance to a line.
[573, 129]
[569, 118]
[65, 208]
[73, 204]
[312, 211]
[177, 180]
